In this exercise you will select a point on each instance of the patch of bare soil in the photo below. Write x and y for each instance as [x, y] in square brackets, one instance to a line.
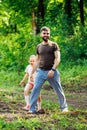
[75, 99]
[10, 112]
[12, 109]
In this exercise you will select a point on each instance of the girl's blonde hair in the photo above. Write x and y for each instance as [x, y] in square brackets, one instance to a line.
[32, 56]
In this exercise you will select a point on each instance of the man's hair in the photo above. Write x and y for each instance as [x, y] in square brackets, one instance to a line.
[44, 29]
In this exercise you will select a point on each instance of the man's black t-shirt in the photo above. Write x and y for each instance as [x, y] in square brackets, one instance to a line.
[46, 55]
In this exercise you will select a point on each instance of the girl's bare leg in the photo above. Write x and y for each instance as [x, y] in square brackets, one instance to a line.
[27, 89]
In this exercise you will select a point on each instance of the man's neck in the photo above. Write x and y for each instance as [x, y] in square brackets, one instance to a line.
[45, 42]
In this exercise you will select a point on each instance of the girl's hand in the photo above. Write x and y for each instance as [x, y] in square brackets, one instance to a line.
[22, 83]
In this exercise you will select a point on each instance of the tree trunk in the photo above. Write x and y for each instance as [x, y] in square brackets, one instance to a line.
[81, 11]
[68, 13]
[40, 15]
[68, 9]
[33, 22]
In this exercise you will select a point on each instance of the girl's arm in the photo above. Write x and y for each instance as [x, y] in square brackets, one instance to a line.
[24, 78]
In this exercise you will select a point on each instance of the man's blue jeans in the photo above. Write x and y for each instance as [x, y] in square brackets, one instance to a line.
[40, 78]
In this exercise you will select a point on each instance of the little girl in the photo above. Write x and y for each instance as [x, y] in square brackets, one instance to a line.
[30, 83]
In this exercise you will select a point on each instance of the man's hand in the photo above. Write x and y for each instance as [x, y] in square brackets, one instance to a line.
[50, 74]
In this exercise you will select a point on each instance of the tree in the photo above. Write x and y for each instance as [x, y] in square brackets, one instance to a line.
[68, 13]
[40, 15]
[80, 3]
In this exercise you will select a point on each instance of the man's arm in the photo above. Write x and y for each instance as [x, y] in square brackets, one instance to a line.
[57, 59]
[56, 63]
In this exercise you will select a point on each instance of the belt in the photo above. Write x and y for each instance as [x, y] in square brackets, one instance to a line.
[45, 69]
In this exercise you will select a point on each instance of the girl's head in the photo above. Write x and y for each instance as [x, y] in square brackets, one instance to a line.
[32, 59]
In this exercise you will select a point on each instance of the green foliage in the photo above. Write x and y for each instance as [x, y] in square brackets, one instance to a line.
[18, 41]
[75, 76]
[73, 48]
[20, 124]
[11, 96]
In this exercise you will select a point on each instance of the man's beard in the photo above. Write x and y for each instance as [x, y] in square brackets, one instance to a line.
[45, 39]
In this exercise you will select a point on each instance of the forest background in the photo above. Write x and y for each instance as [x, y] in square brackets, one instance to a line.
[20, 23]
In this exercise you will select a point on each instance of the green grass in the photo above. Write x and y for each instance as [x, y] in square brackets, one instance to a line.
[12, 100]
[75, 76]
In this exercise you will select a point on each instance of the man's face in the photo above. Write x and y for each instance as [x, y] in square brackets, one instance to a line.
[45, 35]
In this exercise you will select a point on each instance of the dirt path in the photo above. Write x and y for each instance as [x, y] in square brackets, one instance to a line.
[11, 103]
